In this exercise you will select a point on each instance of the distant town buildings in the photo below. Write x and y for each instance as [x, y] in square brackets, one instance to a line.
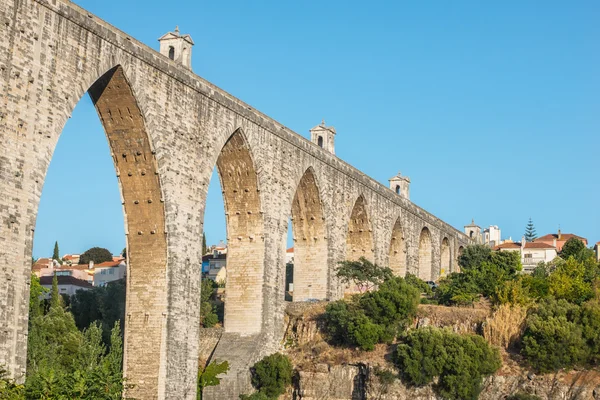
[88, 275]
[214, 263]
[491, 236]
[532, 253]
[542, 249]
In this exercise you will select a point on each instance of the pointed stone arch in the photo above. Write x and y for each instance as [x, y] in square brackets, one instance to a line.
[445, 257]
[245, 236]
[397, 260]
[310, 241]
[359, 239]
[425, 255]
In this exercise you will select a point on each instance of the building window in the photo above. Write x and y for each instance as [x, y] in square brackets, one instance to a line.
[397, 189]
[471, 234]
[320, 141]
[111, 271]
[528, 256]
[63, 273]
[171, 52]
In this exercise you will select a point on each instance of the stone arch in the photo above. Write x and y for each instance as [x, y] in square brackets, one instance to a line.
[245, 236]
[144, 215]
[310, 242]
[359, 239]
[397, 260]
[445, 257]
[425, 255]
[458, 254]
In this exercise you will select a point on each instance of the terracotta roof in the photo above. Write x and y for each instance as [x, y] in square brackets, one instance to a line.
[528, 245]
[511, 245]
[41, 263]
[563, 236]
[290, 250]
[538, 245]
[109, 264]
[65, 280]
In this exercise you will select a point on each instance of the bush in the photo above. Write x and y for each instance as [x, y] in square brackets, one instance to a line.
[418, 283]
[457, 289]
[208, 376]
[513, 292]
[272, 375]
[347, 324]
[96, 254]
[374, 317]
[590, 322]
[393, 303]
[553, 339]
[460, 361]
[208, 310]
[568, 282]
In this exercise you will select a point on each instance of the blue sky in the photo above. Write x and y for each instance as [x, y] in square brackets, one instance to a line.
[492, 109]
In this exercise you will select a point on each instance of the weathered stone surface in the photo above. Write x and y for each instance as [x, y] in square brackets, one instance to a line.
[168, 128]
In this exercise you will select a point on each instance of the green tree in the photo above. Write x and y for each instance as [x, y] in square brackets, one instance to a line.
[459, 361]
[362, 273]
[272, 375]
[96, 254]
[55, 254]
[530, 234]
[392, 305]
[208, 376]
[124, 252]
[208, 310]
[553, 339]
[418, 283]
[568, 282]
[204, 248]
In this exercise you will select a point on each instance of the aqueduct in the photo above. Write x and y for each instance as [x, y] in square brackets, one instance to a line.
[167, 129]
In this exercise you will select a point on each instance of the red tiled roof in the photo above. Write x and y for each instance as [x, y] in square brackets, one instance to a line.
[538, 245]
[563, 236]
[528, 245]
[290, 250]
[65, 280]
[108, 264]
[511, 245]
[41, 263]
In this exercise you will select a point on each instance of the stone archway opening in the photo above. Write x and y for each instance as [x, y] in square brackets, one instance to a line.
[310, 242]
[425, 255]
[445, 257]
[245, 237]
[397, 260]
[359, 240]
[145, 228]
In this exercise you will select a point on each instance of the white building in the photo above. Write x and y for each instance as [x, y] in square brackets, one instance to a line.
[532, 253]
[492, 236]
[67, 285]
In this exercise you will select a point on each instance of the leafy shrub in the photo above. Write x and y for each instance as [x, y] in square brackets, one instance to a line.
[553, 339]
[373, 317]
[457, 289]
[347, 324]
[9, 390]
[460, 361]
[208, 310]
[272, 375]
[418, 283]
[513, 292]
[207, 376]
[590, 322]
[96, 254]
[394, 302]
[362, 273]
[568, 282]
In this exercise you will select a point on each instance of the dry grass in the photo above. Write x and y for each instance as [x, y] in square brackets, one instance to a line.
[504, 327]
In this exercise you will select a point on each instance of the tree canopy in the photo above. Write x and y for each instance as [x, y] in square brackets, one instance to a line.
[96, 254]
[362, 273]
